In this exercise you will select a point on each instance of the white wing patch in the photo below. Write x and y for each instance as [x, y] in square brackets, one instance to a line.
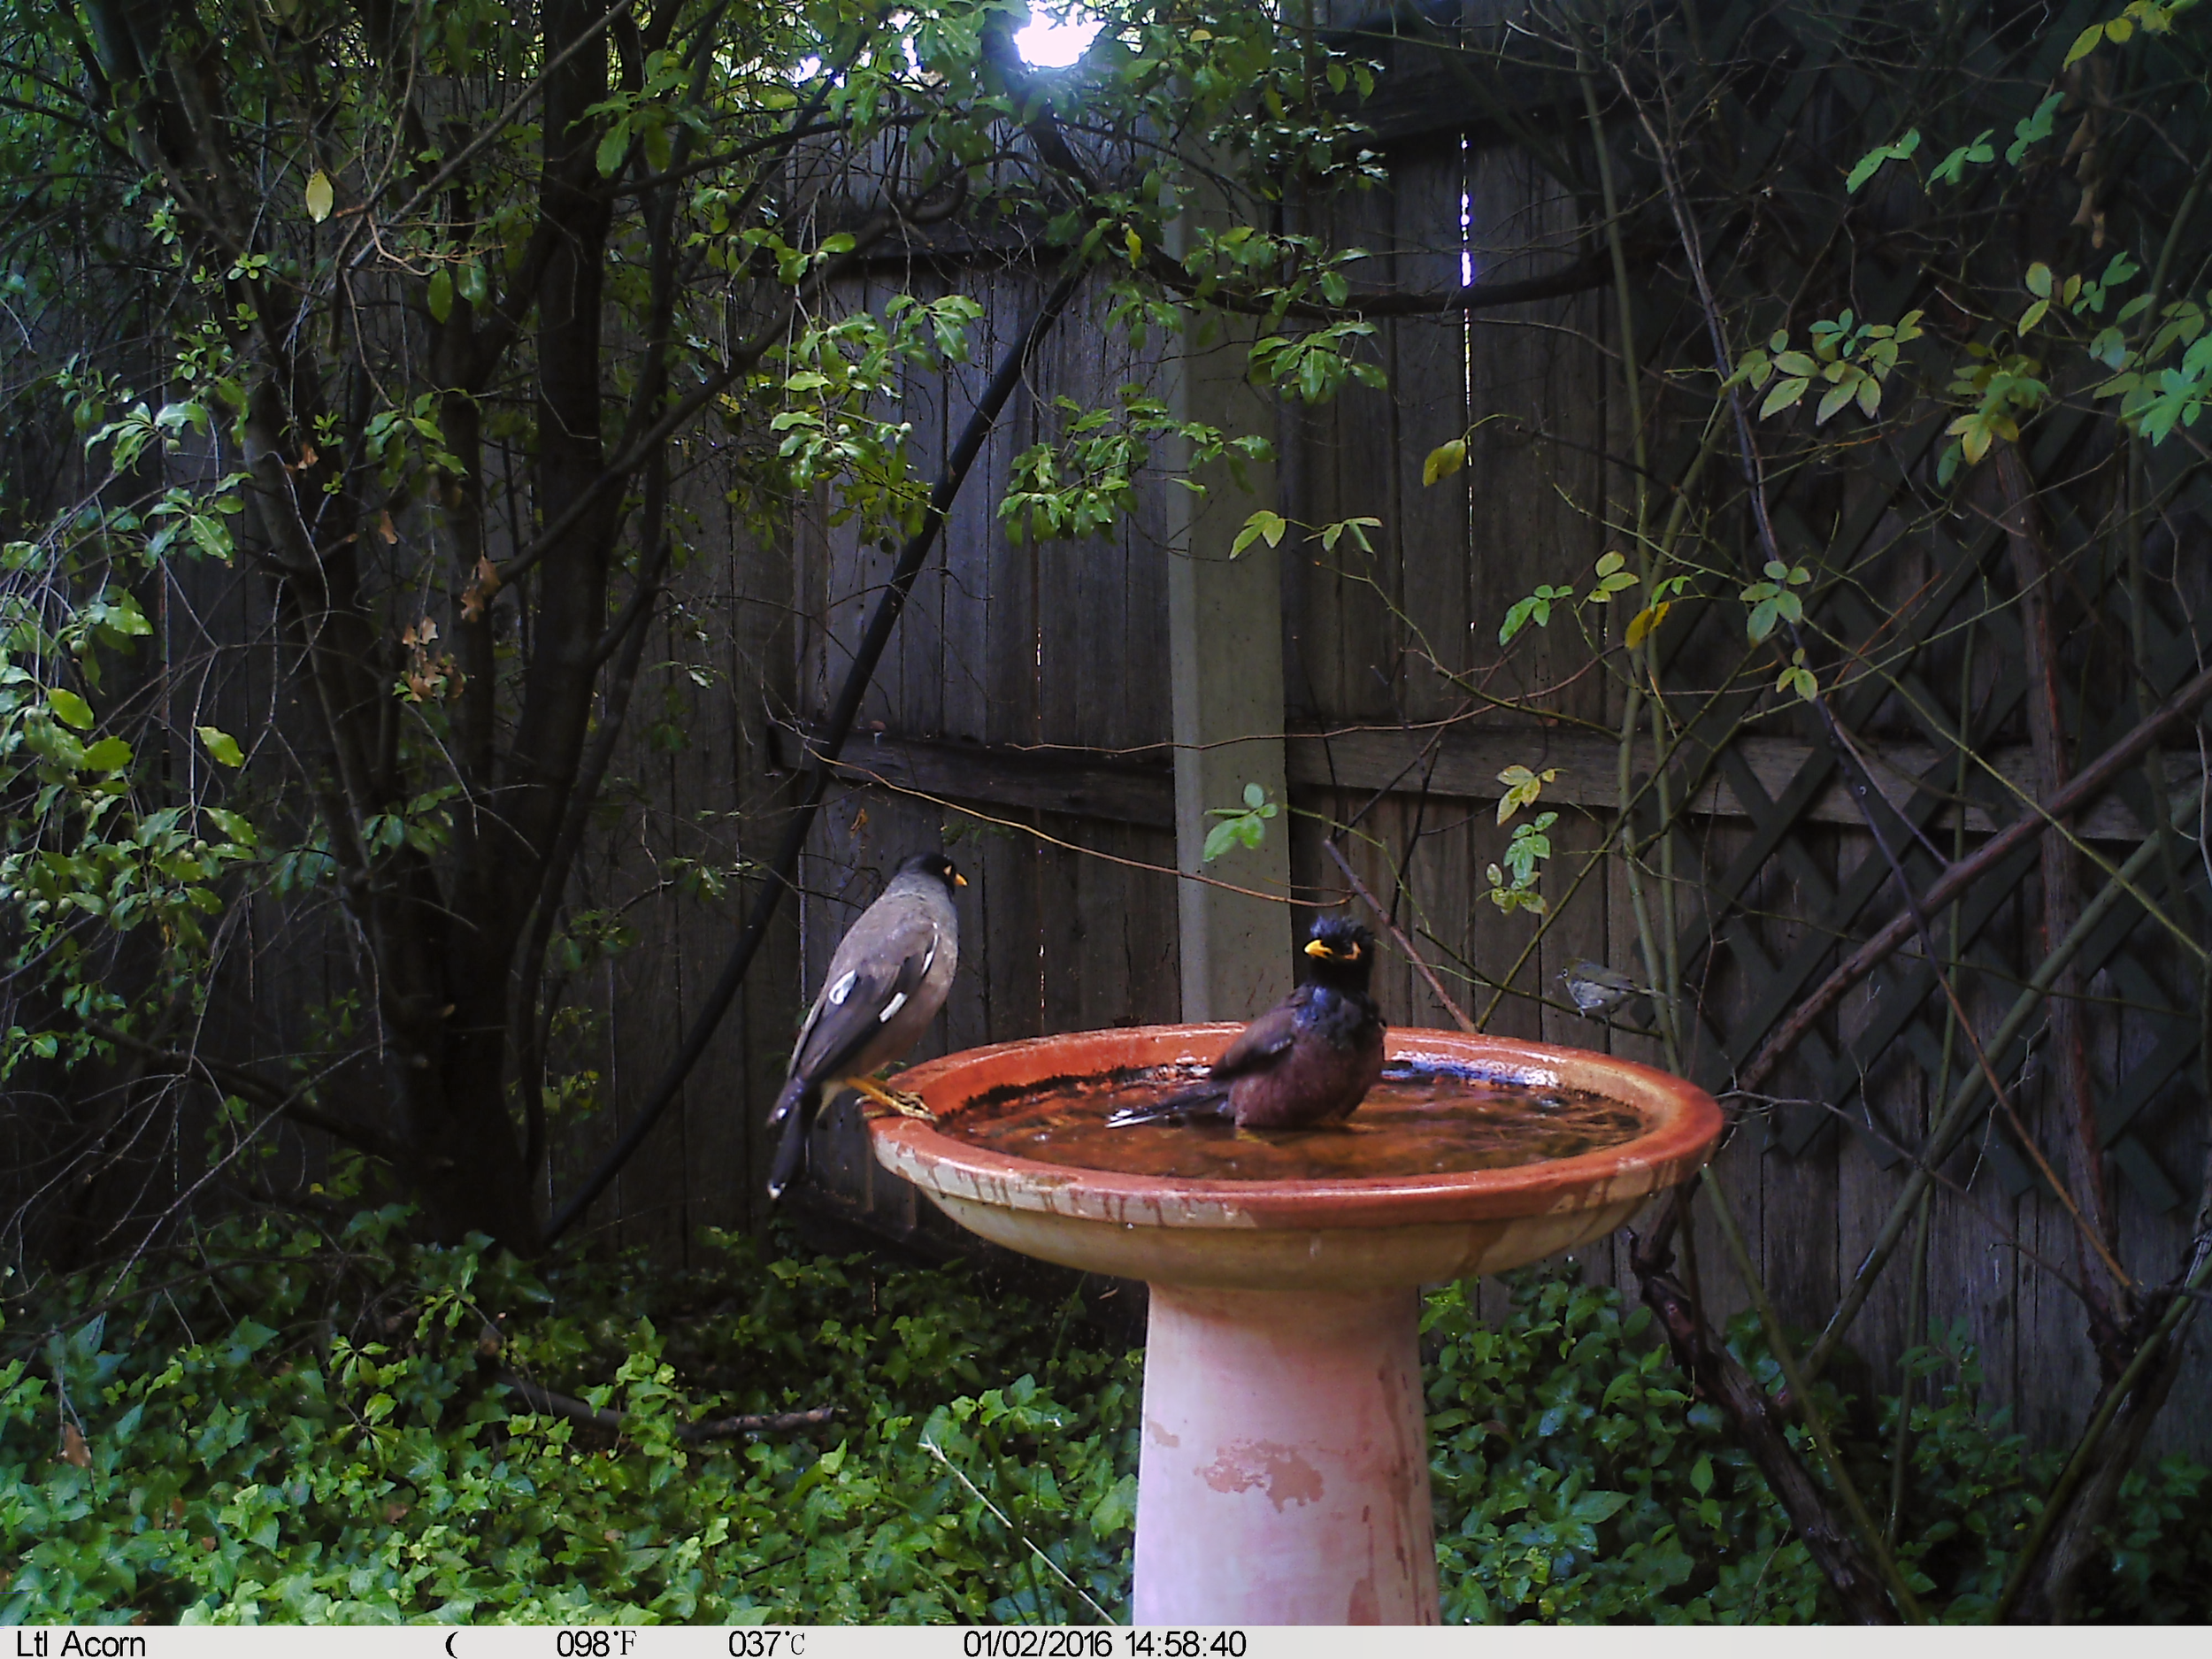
[843, 988]
[932, 956]
[891, 1008]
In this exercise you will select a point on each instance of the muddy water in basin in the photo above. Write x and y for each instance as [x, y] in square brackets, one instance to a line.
[1419, 1120]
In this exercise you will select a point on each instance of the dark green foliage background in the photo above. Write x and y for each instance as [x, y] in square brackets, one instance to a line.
[313, 1430]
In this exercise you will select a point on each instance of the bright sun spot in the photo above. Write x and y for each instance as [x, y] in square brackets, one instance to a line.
[1048, 42]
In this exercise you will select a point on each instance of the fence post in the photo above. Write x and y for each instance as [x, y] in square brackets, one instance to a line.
[1226, 651]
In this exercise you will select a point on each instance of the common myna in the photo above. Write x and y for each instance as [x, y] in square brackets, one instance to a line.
[885, 985]
[1309, 1060]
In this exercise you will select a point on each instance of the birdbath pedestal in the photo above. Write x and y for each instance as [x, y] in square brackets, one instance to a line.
[1283, 1477]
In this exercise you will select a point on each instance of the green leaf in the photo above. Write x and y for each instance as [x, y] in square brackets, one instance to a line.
[1785, 394]
[2084, 43]
[212, 536]
[439, 297]
[2039, 280]
[109, 754]
[1262, 525]
[70, 708]
[1953, 166]
[1593, 1507]
[2033, 128]
[320, 195]
[613, 147]
[1444, 460]
[222, 747]
[1873, 161]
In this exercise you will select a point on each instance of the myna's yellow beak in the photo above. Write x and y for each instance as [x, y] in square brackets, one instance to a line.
[1318, 948]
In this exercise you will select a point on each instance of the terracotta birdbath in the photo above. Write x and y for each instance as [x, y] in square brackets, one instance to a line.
[1283, 1477]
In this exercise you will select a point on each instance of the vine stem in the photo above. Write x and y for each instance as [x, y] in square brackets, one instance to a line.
[1657, 949]
[2090, 782]
[1860, 780]
[783, 874]
[2076, 1468]
[1886, 1563]
[1397, 934]
[1946, 1129]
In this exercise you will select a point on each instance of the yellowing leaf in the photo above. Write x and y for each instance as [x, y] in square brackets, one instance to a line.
[1646, 622]
[320, 195]
[1134, 243]
[1522, 788]
[1444, 460]
[222, 747]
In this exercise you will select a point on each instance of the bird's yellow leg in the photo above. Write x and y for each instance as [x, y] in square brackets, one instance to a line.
[892, 1100]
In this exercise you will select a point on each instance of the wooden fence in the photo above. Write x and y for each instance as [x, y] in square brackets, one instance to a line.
[1023, 719]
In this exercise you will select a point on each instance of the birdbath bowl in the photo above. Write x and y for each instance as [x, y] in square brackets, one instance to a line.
[1283, 1476]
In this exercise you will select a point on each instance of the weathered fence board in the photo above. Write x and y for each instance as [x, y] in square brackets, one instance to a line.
[1023, 716]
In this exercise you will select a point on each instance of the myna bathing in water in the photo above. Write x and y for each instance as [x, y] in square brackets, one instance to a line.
[885, 985]
[1308, 1061]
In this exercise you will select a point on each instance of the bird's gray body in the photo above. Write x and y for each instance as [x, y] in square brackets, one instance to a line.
[886, 980]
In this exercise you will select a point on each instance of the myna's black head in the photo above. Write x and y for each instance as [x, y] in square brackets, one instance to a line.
[1340, 952]
[933, 864]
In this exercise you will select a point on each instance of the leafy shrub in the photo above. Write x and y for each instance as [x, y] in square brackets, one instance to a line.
[1576, 1481]
[272, 1444]
[308, 1426]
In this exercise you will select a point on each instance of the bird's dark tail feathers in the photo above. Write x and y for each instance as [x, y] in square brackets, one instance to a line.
[1209, 1100]
[794, 1110]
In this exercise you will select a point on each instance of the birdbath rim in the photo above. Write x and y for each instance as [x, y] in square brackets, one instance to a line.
[1342, 1231]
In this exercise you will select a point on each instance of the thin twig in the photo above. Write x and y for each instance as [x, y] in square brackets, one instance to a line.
[1397, 934]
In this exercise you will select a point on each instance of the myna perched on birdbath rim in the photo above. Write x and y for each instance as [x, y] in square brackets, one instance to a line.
[885, 985]
[1308, 1061]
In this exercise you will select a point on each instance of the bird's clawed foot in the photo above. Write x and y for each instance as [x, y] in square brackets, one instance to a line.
[893, 1100]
